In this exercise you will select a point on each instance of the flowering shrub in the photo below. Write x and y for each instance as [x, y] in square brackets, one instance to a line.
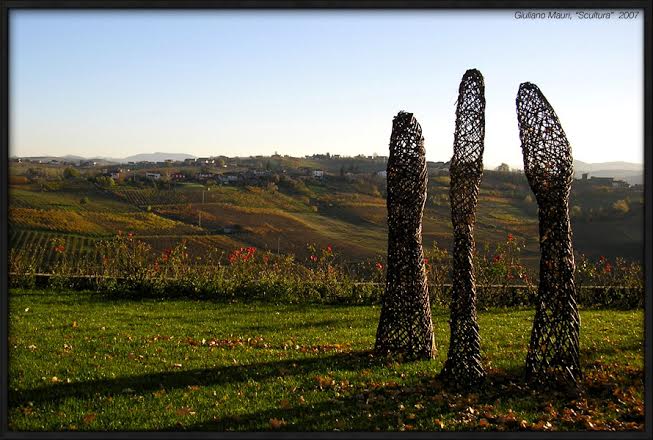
[61, 269]
[129, 267]
[22, 267]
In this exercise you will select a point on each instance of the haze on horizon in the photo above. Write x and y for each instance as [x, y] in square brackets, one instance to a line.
[241, 83]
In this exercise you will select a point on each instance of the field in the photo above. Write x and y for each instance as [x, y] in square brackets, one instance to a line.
[347, 213]
[79, 361]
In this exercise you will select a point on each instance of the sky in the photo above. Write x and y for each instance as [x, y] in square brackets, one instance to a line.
[241, 83]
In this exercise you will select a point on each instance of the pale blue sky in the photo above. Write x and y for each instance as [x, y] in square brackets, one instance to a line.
[117, 83]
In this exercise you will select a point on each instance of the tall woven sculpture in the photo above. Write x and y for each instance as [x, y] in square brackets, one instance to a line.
[553, 352]
[463, 366]
[405, 325]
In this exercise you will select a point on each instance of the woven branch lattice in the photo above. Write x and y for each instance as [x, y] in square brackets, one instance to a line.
[553, 352]
[405, 325]
[463, 366]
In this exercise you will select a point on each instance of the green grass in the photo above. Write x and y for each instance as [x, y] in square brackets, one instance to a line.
[82, 362]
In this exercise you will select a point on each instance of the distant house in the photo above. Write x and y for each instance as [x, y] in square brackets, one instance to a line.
[503, 168]
[318, 174]
[153, 176]
[601, 180]
[620, 184]
[189, 161]
[382, 173]
[205, 160]
[231, 178]
[205, 176]
[115, 175]
[177, 176]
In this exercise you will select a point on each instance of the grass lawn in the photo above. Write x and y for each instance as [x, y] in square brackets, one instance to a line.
[82, 362]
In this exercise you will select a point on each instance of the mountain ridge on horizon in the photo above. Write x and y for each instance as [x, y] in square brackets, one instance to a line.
[579, 165]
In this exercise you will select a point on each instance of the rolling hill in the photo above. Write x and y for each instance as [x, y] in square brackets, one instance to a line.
[347, 212]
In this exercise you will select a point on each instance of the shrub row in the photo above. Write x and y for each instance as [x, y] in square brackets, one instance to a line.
[129, 268]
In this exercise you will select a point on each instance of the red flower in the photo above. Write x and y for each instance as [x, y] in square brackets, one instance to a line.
[497, 258]
[607, 268]
[426, 261]
[601, 258]
[266, 258]
[329, 248]
[233, 257]
[130, 235]
[60, 248]
[510, 238]
[379, 266]
[313, 258]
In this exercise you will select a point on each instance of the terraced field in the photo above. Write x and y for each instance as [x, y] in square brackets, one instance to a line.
[79, 248]
[348, 215]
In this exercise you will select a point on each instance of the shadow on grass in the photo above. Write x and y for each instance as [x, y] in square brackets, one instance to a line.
[349, 361]
[395, 405]
[364, 406]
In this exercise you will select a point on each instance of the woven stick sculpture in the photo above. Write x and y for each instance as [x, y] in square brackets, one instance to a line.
[405, 325]
[463, 366]
[553, 352]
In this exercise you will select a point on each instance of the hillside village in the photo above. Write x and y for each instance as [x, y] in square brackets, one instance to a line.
[224, 170]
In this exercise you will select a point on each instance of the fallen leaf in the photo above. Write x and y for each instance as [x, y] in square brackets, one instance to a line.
[284, 403]
[185, 411]
[276, 423]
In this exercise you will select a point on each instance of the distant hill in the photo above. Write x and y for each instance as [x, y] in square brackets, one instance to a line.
[73, 159]
[633, 173]
[156, 157]
[618, 166]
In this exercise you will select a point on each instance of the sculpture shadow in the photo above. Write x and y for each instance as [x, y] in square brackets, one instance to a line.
[228, 374]
[394, 405]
